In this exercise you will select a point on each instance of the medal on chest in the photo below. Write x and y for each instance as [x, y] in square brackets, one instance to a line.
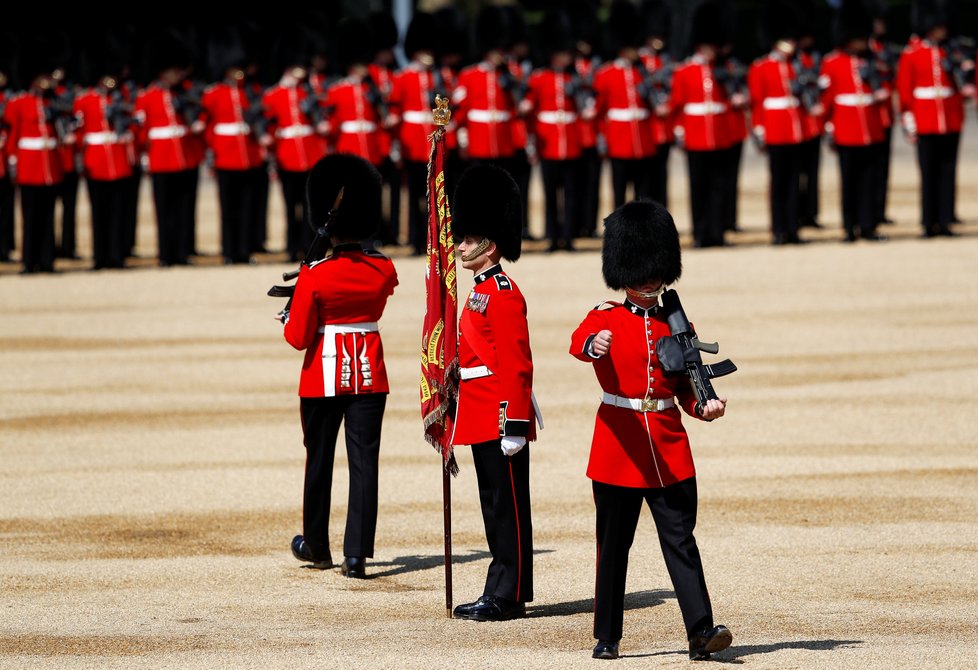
[477, 302]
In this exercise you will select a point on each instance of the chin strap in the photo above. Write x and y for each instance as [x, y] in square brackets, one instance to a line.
[478, 251]
[654, 295]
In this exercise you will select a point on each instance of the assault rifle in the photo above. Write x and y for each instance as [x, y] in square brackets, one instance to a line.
[959, 61]
[679, 353]
[60, 111]
[320, 245]
[805, 84]
[731, 73]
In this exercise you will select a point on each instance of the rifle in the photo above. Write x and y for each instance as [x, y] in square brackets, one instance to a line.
[254, 113]
[959, 60]
[60, 111]
[679, 353]
[656, 86]
[731, 73]
[187, 101]
[317, 251]
[119, 112]
[805, 84]
[311, 105]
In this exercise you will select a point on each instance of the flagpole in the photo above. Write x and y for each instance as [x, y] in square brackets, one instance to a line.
[446, 494]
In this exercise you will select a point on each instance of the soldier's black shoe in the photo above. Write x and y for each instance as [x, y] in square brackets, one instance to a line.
[706, 641]
[494, 608]
[461, 611]
[303, 552]
[606, 650]
[354, 567]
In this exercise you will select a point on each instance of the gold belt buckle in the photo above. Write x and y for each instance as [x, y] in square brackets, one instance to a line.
[650, 405]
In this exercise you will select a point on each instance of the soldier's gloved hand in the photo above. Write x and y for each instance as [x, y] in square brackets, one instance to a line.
[512, 445]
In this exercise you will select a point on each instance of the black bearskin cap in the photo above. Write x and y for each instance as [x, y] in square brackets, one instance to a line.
[492, 29]
[854, 21]
[358, 215]
[929, 14]
[640, 243]
[354, 43]
[452, 30]
[168, 50]
[782, 20]
[556, 33]
[422, 34]
[624, 25]
[487, 204]
[34, 59]
[292, 46]
[584, 20]
[656, 18]
[709, 24]
[225, 50]
[384, 30]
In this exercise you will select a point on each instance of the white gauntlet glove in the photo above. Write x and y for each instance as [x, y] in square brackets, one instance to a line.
[512, 445]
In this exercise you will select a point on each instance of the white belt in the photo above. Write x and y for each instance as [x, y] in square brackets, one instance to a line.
[474, 373]
[638, 404]
[932, 92]
[231, 129]
[167, 132]
[705, 108]
[329, 332]
[784, 102]
[358, 127]
[854, 100]
[415, 116]
[559, 116]
[489, 115]
[292, 132]
[628, 114]
[37, 143]
[104, 137]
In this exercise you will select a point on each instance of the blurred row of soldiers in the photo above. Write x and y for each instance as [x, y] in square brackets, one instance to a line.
[568, 116]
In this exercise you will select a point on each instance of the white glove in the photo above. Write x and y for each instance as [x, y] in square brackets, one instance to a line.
[512, 445]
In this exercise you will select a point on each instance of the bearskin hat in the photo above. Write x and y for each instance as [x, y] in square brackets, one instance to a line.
[168, 49]
[710, 24]
[422, 34]
[853, 21]
[492, 30]
[453, 32]
[624, 25]
[556, 33]
[34, 59]
[656, 18]
[782, 20]
[487, 204]
[584, 21]
[354, 43]
[384, 30]
[358, 215]
[225, 50]
[640, 243]
[929, 14]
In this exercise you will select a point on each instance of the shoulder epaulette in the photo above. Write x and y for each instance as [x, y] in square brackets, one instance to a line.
[374, 253]
[606, 305]
[503, 283]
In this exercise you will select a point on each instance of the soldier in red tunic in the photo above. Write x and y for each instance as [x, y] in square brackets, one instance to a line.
[382, 72]
[32, 145]
[6, 183]
[640, 451]
[657, 16]
[237, 143]
[334, 313]
[495, 412]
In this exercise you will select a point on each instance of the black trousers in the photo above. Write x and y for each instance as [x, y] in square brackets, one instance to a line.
[393, 178]
[635, 172]
[68, 195]
[811, 153]
[937, 156]
[732, 166]
[784, 164]
[882, 175]
[361, 416]
[298, 234]
[37, 210]
[504, 492]
[417, 179]
[708, 194]
[858, 173]
[521, 174]
[240, 198]
[660, 174]
[259, 222]
[674, 512]
[590, 184]
[560, 189]
[132, 207]
[175, 197]
[6, 218]
[109, 234]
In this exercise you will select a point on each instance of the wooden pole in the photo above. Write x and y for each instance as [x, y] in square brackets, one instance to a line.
[446, 488]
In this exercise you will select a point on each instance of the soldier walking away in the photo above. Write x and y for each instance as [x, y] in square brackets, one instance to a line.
[807, 63]
[640, 451]
[657, 17]
[495, 411]
[334, 317]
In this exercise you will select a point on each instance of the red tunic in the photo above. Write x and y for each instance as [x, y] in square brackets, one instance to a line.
[297, 144]
[493, 337]
[555, 121]
[32, 142]
[354, 122]
[411, 101]
[856, 117]
[171, 146]
[486, 112]
[927, 91]
[632, 448]
[699, 105]
[230, 139]
[776, 113]
[334, 316]
[105, 153]
[588, 127]
[627, 122]
[654, 62]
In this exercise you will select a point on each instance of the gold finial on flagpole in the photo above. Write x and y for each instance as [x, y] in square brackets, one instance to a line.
[441, 113]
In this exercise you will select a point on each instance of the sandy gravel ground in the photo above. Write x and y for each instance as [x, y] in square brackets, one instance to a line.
[151, 464]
